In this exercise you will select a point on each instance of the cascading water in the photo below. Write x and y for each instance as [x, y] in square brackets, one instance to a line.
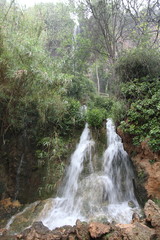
[67, 209]
[118, 170]
[104, 195]
[76, 29]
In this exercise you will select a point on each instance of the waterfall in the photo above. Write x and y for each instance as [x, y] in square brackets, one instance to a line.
[91, 195]
[118, 168]
[103, 195]
[67, 208]
[76, 29]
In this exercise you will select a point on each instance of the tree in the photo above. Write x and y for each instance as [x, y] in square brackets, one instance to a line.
[145, 17]
[110, 19]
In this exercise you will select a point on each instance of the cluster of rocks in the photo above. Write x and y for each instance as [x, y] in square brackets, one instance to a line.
[139, 229]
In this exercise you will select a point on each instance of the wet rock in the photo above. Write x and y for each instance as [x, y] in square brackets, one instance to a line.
[72, 237]
[115, 235]
[66, 232]
[136, 231]
[135, 217]
[39, 232]
[40, 228]
[82, 230]
[152, 212]
[147, 166]
[131, 204]
[25, 218]
[97, 229]
[7, 209]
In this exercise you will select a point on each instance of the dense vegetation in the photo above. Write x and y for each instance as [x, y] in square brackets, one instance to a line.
[50, 66]
[140, 72]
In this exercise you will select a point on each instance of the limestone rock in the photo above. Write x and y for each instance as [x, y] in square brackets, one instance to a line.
[39, 232]
[82, 230]
[66, 232]
[97, 229]
[152, 212]
[136, 231]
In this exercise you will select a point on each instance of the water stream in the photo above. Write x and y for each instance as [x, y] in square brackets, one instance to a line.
[103, 195]
[18, 176]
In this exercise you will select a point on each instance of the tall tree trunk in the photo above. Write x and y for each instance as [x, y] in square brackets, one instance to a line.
[98, 80]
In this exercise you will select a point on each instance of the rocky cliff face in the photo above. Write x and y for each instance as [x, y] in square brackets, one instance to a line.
[147, 165]
[17, 168]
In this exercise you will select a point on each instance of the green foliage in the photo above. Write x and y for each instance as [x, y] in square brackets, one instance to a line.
[33, 87]
[143, 115]
[138, 63]
[104, 102]
[157, 201]
[72, 117]
[42, 84]
[152, 161]
[139, 70]
[81, 88]
[95, 117]
[118, 111]
[52, 151]
[59, 26]
[110, 108]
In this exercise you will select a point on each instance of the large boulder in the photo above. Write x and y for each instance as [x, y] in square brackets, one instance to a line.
[97, 229]
[152, 212]
[82, 230]
[136, 231]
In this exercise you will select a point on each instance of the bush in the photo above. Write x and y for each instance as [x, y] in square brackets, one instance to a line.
[103, 102]
[118, 111]
[138, 63]
[143, 115]
[95, 117]
[72, 116]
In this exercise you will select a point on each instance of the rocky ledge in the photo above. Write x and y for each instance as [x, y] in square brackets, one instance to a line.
[147, 228]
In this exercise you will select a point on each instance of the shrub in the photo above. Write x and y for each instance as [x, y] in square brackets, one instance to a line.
[138, 63]
[118, 111]
[72, 117]
[143, 115]
[95, 117]
[103, 102]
